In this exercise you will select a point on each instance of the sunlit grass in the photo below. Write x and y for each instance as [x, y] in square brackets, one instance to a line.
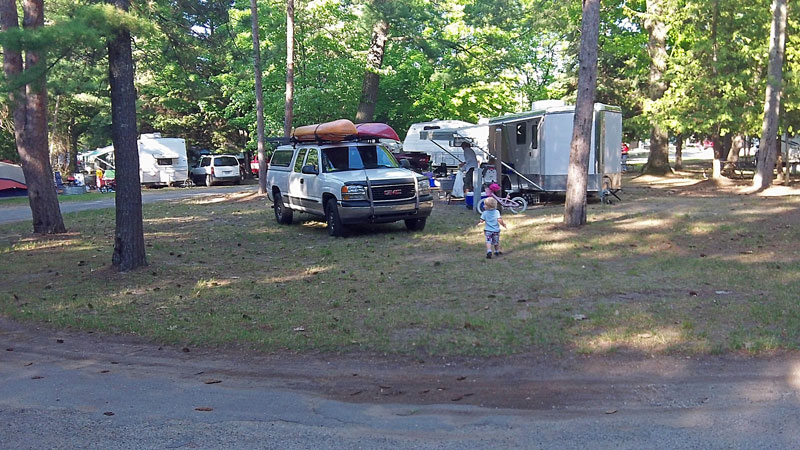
[653, 274]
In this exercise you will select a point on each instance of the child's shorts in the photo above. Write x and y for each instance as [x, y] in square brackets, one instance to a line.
[492, 237]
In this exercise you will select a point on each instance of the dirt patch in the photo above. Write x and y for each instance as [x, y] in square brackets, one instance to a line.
[531, 381]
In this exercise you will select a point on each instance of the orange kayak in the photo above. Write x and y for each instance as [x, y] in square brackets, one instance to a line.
[329, 131]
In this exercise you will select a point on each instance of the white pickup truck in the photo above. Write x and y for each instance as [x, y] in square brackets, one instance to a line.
[346, 182]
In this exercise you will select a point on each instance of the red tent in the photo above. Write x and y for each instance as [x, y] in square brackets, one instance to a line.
[12, 181]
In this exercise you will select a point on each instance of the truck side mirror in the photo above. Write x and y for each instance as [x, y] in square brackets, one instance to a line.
[406, 164]
[309, 169]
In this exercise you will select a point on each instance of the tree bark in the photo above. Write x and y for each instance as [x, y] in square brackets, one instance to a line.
[679, 152]
[372, 78]
[72, 163]
[578, 171]
[129, 249]
[29, 105]
[765, 162]
[262, 157]
[658, 159]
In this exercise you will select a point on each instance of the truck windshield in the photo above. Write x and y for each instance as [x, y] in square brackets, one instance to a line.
[357, 157]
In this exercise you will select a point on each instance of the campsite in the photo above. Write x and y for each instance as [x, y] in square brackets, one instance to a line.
[451, 224]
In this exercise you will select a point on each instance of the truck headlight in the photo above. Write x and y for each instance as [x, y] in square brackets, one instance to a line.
[423, 186]
[354, 192]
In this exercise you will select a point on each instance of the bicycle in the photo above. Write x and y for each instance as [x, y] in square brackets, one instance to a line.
[517, 205]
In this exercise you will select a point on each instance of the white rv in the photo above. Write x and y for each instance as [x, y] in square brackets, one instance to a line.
[441, 132]
[536, 144]
[162, 161]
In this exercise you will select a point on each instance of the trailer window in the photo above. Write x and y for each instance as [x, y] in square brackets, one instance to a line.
[521, 134]
[164, 161]
[535, 134]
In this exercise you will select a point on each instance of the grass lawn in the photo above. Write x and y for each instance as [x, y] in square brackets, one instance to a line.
[676, 267]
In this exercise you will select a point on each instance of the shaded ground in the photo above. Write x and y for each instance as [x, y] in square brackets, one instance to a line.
[66, 390]
[629, 390]
[531, 382]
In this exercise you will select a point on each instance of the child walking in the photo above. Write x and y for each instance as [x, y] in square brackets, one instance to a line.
[492, 221]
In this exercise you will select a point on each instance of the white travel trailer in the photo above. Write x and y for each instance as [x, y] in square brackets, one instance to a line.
[536, 144]
[420, 136]
[162, 161]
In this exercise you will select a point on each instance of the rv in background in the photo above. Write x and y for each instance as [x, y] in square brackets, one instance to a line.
[162, 161]
[536, 144]
[442, 132]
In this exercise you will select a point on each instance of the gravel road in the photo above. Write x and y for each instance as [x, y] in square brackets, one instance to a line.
[19, 213]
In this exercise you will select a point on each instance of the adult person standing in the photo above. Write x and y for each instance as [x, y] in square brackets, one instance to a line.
[470, 164]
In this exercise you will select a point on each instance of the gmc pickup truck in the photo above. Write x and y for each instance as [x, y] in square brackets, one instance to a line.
[346, 182]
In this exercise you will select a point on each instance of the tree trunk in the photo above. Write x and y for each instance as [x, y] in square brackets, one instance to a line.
[578, 172]
[658, 159]
[288, 114]
[769, 131]
[679, 152]
[372, 78]
[72, 163]
[129, 250]
[262, 157]
[29, 105]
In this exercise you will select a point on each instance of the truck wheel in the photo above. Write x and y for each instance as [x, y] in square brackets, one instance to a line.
[416, 224]
[209, 180]
[334, 222]
[282, 214]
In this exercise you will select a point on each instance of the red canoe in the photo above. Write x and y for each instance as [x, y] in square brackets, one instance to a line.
[329, 131]
[377, 131]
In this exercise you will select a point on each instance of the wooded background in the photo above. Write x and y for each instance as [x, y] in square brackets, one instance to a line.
[445, 59]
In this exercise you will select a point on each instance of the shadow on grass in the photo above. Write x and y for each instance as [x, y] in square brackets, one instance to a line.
[658, 273]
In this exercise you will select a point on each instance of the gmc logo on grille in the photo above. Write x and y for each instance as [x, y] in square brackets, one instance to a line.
[392, 192]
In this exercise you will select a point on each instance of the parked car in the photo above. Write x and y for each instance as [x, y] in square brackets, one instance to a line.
[254, 166]
[346, 181]
[213, 169]
[417, 161]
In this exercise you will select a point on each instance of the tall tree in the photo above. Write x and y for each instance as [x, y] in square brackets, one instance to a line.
[768, 149]
[262, 157]
[372, 78]
[28, 97]
[129, 250]
[578, 171]
[658, 160]
[288, 113]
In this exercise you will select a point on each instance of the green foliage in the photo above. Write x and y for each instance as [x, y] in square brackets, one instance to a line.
[453, 59]
[717, 67]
